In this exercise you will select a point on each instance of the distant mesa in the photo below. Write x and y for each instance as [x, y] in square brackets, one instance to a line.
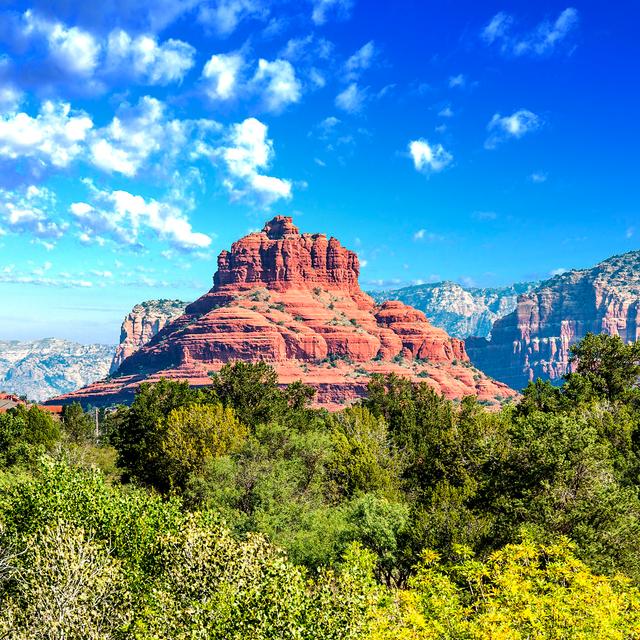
[39, 369]
[534, 341]
[293, 300]
[461, 311]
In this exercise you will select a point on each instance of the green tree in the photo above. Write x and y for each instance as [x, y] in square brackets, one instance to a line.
[363, 459]
[194, 434]
[251, 388]
[77, 424]
[609, 367]
[138, 437]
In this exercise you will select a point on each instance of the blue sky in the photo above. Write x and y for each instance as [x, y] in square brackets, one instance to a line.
[483, 142]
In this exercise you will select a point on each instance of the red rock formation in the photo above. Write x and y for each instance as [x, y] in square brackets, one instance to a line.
[294, 301]
[534, 341]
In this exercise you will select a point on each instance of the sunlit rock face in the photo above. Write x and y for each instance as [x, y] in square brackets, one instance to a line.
[293, 300]
[142, 323]
[534, 341]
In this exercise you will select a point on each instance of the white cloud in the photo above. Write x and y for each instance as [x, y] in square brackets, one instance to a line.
[542, 40]
[28, 211]
[538, 177]
[145, 59]
[308, 48]
[322, 9]
[74, 50]
[429, 158]
[497, 28]
[74, 53]
[221, 75]
[516, 125]
[548, 34]
[558, 272]
[446, 112]
[55, 136]
[125, 217]
[10, 98]
[36, 277]
[136, 133]
[278, 83]
[360, 61]
[249, 153]
[457, 81]
[351, 99]
[629, 233]
[223, 16]
[428, 236]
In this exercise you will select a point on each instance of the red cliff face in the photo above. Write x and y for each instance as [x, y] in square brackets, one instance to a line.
[293, 300]
[534, 341]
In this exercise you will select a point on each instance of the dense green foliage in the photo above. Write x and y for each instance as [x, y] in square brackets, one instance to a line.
[237, 511]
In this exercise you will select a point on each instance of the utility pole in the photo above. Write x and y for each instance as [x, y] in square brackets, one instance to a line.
[97, 427]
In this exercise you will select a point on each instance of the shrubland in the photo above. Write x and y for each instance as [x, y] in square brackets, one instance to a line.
[238, 511]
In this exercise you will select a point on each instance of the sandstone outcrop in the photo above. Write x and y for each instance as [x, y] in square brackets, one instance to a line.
[142, 323]
[293, 300]
[460, 310]
[534, 340]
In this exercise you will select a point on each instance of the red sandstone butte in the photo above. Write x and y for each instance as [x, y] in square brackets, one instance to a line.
[293, 300]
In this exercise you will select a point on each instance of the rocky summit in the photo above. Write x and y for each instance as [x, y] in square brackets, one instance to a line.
[293, 300]
[143, 322]
[534, 341]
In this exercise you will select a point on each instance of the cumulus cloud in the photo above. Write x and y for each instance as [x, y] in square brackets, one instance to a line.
[429, 158]
[31, 147]
[147, 60]
[274, 82]
[542, 40]
[220, 75]
[352, 99]
[224, 16]
[55, 136]
[277, 84]
[125, 218]
[28, 211]
[137, 15]
[360, 61]
[136, 133]
[82, 62]
[248, 153]
[324, 9]
[10, 98]
[516, 125]
[73, 50]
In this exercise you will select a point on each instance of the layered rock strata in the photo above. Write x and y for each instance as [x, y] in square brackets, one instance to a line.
[534, 341]
[293, 300]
